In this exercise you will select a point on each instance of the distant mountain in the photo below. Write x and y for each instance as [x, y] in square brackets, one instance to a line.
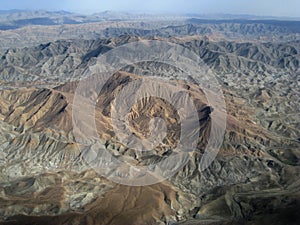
[224, 16]
[291, 25]
[13, 19]
[21, 18]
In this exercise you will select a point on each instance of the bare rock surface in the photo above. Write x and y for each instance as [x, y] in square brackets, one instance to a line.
[44, 178]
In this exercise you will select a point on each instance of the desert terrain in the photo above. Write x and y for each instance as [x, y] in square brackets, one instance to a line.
[44, 176]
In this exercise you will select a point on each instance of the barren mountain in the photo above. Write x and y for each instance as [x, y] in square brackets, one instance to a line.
[45, 179]
[40, 157]
[29, 28]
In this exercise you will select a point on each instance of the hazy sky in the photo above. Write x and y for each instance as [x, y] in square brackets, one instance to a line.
[254, 7]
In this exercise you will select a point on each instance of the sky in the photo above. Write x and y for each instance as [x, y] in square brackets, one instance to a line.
[290, 8]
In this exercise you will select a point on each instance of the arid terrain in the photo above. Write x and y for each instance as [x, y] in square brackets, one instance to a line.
[44, 177]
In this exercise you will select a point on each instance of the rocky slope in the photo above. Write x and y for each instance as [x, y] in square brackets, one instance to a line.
[264, 73]
[254, 179]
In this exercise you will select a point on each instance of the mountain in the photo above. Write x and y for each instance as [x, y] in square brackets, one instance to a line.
[46, 175]
[28, 28]
[255, 177]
